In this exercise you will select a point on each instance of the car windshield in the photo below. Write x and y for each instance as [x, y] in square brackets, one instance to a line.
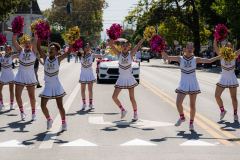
[110, 57]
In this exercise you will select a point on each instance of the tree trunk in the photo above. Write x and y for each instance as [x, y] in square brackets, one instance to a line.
[196, 31]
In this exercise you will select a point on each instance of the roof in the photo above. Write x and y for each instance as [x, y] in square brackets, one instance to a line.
[25, 8]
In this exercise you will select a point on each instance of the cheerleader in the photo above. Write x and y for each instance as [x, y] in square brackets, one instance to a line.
[188, 84]
[126, 79]
[87, 77]
[53, 88]
[229, 80]
[7, 76]
[25, 76]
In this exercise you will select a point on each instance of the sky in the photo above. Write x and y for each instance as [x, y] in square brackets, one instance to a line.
[115, 13]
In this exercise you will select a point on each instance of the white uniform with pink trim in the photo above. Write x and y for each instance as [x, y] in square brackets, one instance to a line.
[126, 79]
[228, 78]
[7, 75]
[188, 83]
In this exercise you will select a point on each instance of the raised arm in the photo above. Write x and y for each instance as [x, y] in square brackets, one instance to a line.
[135, 49]
[67, 51]
[113, 47]
[170, 58]
[15, 43]
[206, 60]
[40, 51]
[215, 46]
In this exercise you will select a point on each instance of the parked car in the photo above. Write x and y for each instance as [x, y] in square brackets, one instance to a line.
[107, 69]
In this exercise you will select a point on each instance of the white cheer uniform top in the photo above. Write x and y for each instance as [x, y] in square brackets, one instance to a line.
[26, 75]
[7, 75]
[126, 79]
[86, 75]
[53, 88]
[228, 78]
[188, 83]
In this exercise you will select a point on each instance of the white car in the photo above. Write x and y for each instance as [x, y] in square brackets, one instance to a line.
[107, 69]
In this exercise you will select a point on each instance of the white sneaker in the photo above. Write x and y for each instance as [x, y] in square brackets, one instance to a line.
[236, 117]
[11, 107]
[135, 117]
[83, 107]
[191, 127]
[179, 122]
[90, 106]
[49, 124]
[123, 114]
[222, 115]
[34, 117]
[64, 126]
[23, 116]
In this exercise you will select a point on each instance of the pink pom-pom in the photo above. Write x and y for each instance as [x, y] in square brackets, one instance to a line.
[43, 30]
[221, 32]
[17, 25]
[77, 45]
[157, 44]
[3, 39]
[115, 31]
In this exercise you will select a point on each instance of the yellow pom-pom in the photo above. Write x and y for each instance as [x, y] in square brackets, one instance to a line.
[227, 54]
[24, 38]
[33, 25]
[72, 35]
[149, 32]
[112, 52]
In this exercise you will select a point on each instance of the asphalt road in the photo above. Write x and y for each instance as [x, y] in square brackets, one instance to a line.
[102, 135]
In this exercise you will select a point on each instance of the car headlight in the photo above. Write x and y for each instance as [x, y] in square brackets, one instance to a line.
[103, 68]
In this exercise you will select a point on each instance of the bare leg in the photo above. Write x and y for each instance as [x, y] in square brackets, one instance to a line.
[18, 91]
[218, 94]
[1, 97]
[61, 109]
[233, 93]
[193, 98]
[31, 94]
[115, 97]
[179, 102]
[132, 98]
[44, 108]
[11, 90]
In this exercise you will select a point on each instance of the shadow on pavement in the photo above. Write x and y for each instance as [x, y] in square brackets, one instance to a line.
[183, 135]
[230, 126]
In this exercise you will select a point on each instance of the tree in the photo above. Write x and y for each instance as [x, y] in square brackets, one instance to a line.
[9, 7]
[85, 14]
[230, 10]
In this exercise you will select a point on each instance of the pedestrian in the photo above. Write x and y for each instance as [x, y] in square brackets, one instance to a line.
[25, 76]
[7, 76]
[53, 88]
[87, 77]
[36, 67]
[188, 84]
[126, 80]
[229, 80]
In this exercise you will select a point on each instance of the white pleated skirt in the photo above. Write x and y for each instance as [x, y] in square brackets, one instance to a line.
[126, 82]
[228, 81]
[188, 85]
[87, 76]
[52, 90]
[7, 77]
[26, 77]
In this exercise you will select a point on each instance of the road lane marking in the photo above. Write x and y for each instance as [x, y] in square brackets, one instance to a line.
[198, 143]
[11, 143]
[138, 142]
[51, 136]
[141, 123]
[206, 127]
[79, 143]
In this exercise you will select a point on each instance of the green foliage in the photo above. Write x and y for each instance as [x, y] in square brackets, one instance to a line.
[9, 7]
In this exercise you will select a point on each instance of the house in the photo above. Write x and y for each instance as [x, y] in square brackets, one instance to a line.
[25, 11]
